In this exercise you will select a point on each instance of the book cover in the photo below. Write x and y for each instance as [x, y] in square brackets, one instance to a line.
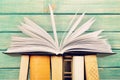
[57, 67]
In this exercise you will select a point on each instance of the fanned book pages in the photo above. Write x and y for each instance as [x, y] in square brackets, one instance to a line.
[39, 40]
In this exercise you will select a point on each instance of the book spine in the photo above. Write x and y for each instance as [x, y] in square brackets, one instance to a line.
[57, 67]
[78, 68]
[24, 67]
[39, 67]
[91, 67]
[67, 67]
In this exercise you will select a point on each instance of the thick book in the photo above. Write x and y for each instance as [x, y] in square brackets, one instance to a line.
[78, 68]
[39, 67]
[40, 42]
[24, 66]
[91, 67]
[57, 67]
[67, 67]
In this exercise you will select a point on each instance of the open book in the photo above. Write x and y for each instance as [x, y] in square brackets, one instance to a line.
[75, 40]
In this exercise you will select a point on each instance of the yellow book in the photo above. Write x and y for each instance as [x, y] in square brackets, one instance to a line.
[57, 67]
[39, 68]
[91, 67]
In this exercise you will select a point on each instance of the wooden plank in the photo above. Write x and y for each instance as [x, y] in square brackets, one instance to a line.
[110, 61]
[109, 73]
[23, 73]
[26, 6]
[57, 67]
[91, 67]
[105, 22]
[34, 6]
[78, 68]
[9, 74]
[15, 20]
[39, 67]
[9, 61]
[89, 6]
[113, 38]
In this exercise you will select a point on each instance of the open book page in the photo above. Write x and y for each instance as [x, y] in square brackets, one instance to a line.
[89, 48]
[74, 26]
[80, 30]
[40, 41]
[30, 48]
[92, 35]
[21, 44]
[64, 37]
[33, 30]
[23, 41]
[88, 42]
[53, 26]
[97, 47]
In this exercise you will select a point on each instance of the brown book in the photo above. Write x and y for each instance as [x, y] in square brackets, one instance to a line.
[91, 67]
[39, 68]
[67, 68]
[57, 67]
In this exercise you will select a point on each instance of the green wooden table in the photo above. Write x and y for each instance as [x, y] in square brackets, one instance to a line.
[106, 12]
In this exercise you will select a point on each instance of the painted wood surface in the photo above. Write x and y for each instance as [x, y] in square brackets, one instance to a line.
[63, 6]
[106, 12]
[9, 23]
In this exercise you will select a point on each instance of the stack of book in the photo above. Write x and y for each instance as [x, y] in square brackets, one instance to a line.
[47, 65]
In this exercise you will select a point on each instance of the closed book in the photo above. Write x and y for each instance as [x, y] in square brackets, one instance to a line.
[91, 67]
[39, 68]
[57, 67]
[78, 68]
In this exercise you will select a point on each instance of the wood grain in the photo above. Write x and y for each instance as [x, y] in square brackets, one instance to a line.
[105, 22]
[63, 6]
[12, 61]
